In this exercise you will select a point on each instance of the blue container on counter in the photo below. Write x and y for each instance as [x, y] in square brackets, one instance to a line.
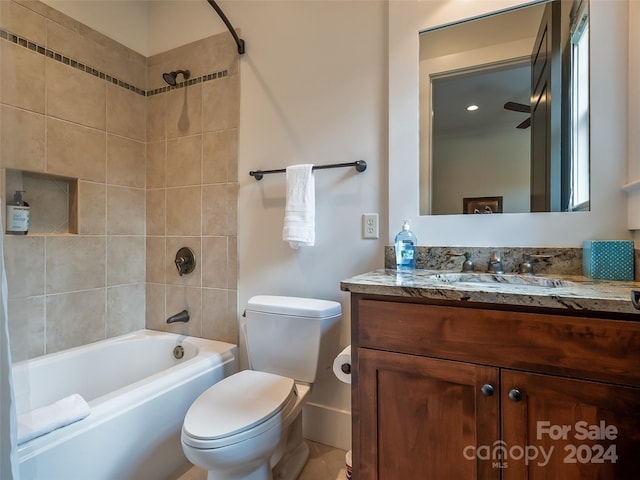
[608, 259]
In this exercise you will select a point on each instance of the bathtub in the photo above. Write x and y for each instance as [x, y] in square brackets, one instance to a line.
[138, 394]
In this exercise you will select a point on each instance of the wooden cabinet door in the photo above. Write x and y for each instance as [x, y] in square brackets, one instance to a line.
[423, 418]
[576, 429]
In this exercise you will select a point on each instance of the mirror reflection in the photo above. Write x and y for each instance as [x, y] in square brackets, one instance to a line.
[504, 112]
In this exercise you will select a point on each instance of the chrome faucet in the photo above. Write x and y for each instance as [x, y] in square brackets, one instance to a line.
[495, 263]
[526, 267]
[467, 265]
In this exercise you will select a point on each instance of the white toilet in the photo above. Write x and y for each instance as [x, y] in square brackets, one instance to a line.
[249, 425]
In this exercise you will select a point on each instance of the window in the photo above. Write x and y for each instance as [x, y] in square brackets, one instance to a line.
[579, 198]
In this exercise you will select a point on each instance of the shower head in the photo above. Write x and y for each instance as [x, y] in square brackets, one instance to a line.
[170, 78]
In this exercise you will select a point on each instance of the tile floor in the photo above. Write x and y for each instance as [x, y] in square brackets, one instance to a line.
[325, 463]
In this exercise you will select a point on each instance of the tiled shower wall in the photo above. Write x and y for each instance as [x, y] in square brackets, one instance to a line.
[155, 170]
[192, 188]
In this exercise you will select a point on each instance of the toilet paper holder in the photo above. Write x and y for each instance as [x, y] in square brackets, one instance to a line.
[342, 365]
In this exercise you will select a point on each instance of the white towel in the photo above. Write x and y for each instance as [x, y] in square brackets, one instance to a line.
[300, 211]
[43, 420]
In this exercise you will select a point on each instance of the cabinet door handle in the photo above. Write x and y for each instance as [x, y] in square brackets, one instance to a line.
[487, 390]
[515, 395]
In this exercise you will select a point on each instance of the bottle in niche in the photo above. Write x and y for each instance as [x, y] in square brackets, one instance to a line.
[405, 244]
[17, 215]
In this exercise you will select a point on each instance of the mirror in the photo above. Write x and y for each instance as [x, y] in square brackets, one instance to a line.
[504, 112]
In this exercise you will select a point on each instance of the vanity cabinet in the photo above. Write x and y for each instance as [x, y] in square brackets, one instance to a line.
[462, 391]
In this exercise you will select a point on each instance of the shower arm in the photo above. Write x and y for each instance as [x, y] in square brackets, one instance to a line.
[239, 41]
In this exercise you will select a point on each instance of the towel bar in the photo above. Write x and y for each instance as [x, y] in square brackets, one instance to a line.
[360, 166]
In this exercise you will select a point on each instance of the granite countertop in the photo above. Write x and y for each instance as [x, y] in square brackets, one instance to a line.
[573, 292]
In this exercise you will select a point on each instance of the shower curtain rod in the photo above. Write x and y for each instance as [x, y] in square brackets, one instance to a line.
[239, 41]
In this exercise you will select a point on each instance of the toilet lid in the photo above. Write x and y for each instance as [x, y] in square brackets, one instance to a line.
[236, 404]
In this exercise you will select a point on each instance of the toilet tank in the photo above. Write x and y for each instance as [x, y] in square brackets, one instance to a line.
[284, 334]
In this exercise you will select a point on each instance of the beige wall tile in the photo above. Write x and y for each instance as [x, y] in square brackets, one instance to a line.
[155, 306]
[75, 319]
[176, 59]
[222, 53]
[126, 64]
[219, 315]
[75, 263]
[232, 263]
[126, 113]
[233, 191]
[156, 259]
[26, 327]
[22, 142]
[66, 85]
[75, 151]
[156, 165]
[221, 104]
[214, 209]
[49, 201]
[156, 212]
[220, 156]
[22, 77]
[125, 309]
[92, 208]
[125, 211]
[184, 161]
[155, 68]
[23, 21]
[172, 277]
[183, 211]
[156, 118]
[125, 260]
[24, 263]
[92, 286]
[209, 55]
[125, 162]
[214, 262]
[184, 111]
[219, 320]
[185, 298]
[50, 13]
[80, 44]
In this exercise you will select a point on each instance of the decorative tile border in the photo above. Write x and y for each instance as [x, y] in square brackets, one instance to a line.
[35, 47]
[191, 81]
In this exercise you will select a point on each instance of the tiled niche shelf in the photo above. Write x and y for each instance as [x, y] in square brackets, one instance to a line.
[53, 201]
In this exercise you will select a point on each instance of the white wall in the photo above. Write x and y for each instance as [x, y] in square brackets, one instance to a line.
[313, 90]
[607, 219]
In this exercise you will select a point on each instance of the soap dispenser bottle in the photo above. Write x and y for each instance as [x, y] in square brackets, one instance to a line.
[405, 245]
[17, 215]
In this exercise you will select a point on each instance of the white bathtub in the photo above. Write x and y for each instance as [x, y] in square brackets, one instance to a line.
[138, 394]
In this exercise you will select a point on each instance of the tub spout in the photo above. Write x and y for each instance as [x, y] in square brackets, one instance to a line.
[182, 316]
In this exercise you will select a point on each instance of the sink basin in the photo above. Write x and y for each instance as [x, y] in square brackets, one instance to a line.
[500, 279]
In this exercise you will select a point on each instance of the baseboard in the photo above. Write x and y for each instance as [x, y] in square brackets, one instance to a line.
[327, 425]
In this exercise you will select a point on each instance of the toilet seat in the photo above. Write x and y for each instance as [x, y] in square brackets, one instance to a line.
[238, 407]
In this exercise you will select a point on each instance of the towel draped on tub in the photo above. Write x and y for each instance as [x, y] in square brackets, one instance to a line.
[40, 421]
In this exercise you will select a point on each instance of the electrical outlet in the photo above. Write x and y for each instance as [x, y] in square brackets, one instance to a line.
[370, 225]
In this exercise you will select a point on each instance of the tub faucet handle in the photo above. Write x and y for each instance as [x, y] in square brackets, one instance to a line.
[185, 261]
